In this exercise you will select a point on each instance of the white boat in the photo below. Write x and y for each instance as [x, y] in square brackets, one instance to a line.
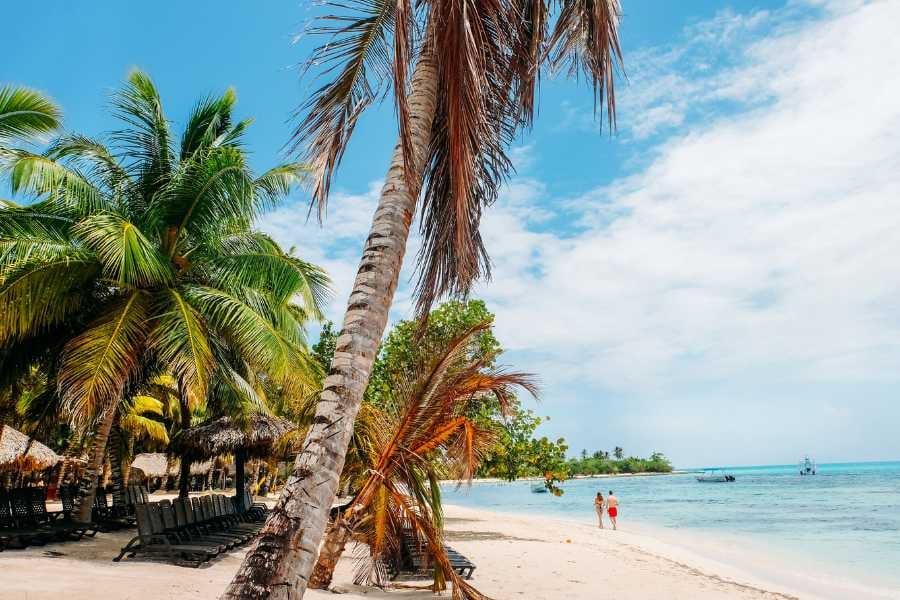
[807, 466]
[538, 488]
[715, 476]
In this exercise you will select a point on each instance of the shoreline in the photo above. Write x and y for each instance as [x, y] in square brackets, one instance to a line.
[517, 555]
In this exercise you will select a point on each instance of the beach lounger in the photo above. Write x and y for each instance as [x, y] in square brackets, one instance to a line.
[151, 540]
[185, 536]
[14, 535]
[257, 510]
[106, 517]
[416, 560]
[30, 510]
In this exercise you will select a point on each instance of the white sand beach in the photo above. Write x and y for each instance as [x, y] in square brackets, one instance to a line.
[517, 556]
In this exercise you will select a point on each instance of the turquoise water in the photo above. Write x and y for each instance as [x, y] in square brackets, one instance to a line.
[847, 517]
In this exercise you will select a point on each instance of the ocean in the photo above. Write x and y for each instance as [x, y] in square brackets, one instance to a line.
[844, 521]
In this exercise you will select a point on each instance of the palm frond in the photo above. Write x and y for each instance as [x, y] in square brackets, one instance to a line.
[276, 183]
[180, 341]
[209, 120]
[357, 56]
[127, 256]
[96, 364]
[213, 188]
[265, 343]
[146, 142]
[91, 155]
[26, 113]
[476, 121]
[585, 41]
[38, 294]
[43, 177]
[263, 266]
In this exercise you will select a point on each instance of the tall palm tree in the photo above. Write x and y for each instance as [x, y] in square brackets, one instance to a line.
[427, 438]
[473, 87]
[25, 116]
[141, 257]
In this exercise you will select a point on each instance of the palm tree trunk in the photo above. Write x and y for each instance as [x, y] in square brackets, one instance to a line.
[87, 486]
[335, 541]
[278, 567]
[114, 449]
[184, 471]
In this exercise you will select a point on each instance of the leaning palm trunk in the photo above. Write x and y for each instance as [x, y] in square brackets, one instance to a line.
[335, 541]
[67, 457]
[87, 486]
[279, 566]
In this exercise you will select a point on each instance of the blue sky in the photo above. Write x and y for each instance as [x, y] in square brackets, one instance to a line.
[716, 281]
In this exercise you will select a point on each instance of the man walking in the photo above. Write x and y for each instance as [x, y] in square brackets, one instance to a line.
[612, 508]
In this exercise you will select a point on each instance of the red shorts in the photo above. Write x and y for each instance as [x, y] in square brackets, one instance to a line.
[612, 511]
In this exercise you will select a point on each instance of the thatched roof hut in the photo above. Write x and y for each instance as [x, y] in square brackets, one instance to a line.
[13, 444]
[254, 438]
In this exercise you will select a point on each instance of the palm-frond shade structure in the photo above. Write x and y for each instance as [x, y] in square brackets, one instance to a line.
[157, 464]
[254, 437]
[464, 77]
[13, 456]
[140, 257]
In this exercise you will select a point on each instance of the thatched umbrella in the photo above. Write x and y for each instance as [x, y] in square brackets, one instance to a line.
[20, 452]
[157, 464]
[151, 464]
[254, 438]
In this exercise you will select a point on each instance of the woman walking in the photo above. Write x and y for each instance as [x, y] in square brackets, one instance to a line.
[598, 506]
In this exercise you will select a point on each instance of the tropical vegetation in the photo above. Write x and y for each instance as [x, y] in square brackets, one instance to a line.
[600, 463]
[464, 77]
[132, 279]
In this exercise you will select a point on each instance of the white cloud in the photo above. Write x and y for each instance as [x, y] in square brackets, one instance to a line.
[762, 242]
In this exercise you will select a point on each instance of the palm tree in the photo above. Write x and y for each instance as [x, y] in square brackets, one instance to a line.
[25, 116]
[141, 257]
[618, 453]
[428, 438]
[477, 66]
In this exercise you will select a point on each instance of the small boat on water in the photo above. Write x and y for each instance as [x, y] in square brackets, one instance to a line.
[807, 466]
[538, 488]
[715, 476]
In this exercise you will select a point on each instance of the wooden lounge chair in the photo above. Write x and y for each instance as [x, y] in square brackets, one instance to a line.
[106, 517]
[12, 534]
[197, 535]
[152, 540]
[30, 510]
[416, 560]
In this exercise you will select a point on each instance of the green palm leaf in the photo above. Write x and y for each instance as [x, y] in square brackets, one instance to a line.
[26, 113]
[210, 119]
[96, 364]
[180, 340]
[210, 190]
[37, 294]
[127, 256]
[44, 177]
[263, 343]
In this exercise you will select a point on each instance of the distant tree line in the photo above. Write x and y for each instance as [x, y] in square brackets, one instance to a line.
[600, 463]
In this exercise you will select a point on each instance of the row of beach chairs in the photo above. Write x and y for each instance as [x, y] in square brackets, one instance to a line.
[191, 531]
[25, 520]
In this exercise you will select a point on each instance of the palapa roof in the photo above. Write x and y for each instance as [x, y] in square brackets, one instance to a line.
[12, 452]
[157, 464]
[256, 436]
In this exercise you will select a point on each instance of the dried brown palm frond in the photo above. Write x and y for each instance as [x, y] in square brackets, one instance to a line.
[487, 57]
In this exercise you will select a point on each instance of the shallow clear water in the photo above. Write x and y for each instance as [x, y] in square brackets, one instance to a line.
[846, 517]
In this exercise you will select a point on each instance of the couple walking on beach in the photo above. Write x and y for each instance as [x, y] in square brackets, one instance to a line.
[611, 504]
